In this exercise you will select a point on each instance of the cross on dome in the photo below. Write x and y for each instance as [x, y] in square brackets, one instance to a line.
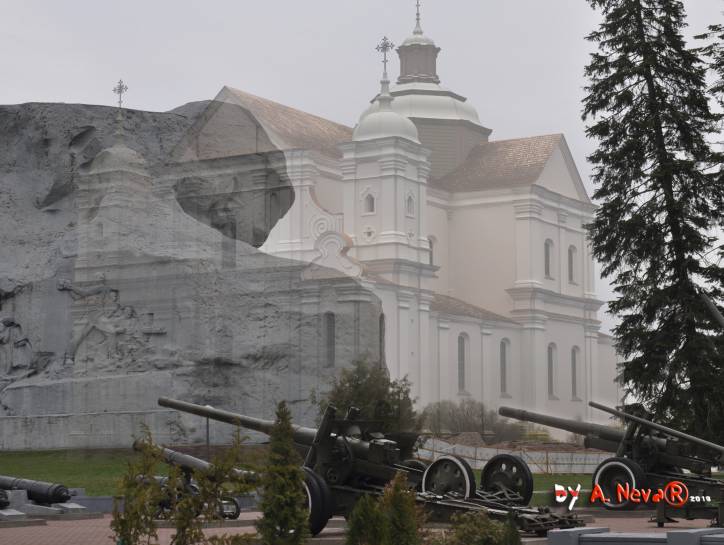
[383, 47]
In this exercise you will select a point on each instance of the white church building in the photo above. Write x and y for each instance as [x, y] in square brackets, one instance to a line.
[476, 247]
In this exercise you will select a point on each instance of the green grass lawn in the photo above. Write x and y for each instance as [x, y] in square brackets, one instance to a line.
[98, 471]
[95, 470]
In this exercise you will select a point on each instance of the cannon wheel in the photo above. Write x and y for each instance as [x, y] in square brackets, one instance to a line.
[447, 474]
[507, 472]
[418, 465]
[229, 508]
[318, 501]
[614, 471]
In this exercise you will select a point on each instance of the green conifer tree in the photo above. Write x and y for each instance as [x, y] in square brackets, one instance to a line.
[284, 513]
[367, 524]
[659, 203]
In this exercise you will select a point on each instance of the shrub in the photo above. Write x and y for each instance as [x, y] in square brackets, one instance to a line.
[283, 504]
[135, 523]
[368, 387]
[476, 528]
[391, 519]
[367, 524]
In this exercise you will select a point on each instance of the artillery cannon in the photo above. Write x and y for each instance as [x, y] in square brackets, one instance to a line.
[647, 456]
[38, 491]
[227, 507]
[346, 458]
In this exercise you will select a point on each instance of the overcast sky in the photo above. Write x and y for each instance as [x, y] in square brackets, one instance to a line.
[519, 62]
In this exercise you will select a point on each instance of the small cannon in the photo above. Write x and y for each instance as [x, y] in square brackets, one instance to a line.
[228, 507]
[38, 491]
[647, 456]
[346, 458]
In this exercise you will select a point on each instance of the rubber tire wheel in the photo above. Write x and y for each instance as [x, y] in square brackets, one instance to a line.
[234, 514]
[526, 492]
[318, 509]
[464, 466]
[635, 474]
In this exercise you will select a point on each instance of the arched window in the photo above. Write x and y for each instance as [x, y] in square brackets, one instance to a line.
[572, 264]
[369, 204]
[431, 241]
[410, 206]
[504, 355]
[551, 370]
[575, 357]
[274, 208]
[462, 353]
[329, 332]
[382, 339]
[548, 258]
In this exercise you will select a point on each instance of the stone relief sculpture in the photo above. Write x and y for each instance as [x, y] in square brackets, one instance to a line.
[111, 333]
[16, 352]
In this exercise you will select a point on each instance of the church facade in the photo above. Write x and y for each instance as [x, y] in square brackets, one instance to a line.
[476, 247]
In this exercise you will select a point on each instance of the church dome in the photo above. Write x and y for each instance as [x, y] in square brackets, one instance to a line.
[118, 158]
[384, 121]
[384, 124]
[426, 100]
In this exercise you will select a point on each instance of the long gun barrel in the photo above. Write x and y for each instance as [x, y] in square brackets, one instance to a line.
[38, 491]
[574, 426]
[663, 429]
[187, 461]
[303, 436]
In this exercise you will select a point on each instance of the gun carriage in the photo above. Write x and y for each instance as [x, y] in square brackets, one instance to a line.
[346, 458]
[647, 455]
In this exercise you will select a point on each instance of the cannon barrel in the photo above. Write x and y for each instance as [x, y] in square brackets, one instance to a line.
[574, 426]
[38, 491]
[661, 428]
[302, 435]
[187, 461]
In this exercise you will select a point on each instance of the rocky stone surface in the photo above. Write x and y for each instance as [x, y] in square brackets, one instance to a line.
[129, 271]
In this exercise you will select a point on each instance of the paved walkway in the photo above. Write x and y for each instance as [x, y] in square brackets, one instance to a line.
[98, 532]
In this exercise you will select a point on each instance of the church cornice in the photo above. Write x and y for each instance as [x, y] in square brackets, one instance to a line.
[530, 293]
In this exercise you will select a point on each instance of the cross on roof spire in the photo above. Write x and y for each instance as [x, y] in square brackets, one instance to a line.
[383, 47]
[119, 89]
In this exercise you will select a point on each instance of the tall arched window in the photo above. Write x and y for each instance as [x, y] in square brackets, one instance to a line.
[552, 371]
[329, 332]
[274, 208]
[504, 355]
[382, 338]
[462, 353]
[572, 264]
[548, 258]
[410, 206]
[575, 357]
[369, 204]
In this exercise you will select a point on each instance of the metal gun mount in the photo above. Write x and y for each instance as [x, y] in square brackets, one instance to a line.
[647, 455]
[347, 458]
